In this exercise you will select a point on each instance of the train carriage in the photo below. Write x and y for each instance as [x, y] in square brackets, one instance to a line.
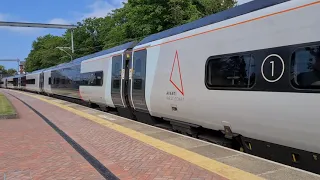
[33, 81]
[241, 75]
[106, 80]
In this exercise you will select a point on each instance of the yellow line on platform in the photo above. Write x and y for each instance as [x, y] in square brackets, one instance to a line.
[216, 167]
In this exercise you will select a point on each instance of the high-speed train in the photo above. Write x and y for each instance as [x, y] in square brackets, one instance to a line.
[250, 73]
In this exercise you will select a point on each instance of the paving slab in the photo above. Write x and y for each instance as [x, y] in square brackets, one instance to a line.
[212, 151]
[285, 173]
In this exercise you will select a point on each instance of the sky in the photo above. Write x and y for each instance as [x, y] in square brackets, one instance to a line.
[16, 43]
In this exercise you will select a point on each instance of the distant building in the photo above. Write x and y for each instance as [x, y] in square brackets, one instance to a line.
[21, 67]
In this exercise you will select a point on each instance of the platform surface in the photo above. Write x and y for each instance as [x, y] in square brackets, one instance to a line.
[30, 148]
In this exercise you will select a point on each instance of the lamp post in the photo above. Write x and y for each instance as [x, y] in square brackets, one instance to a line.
[62, 49]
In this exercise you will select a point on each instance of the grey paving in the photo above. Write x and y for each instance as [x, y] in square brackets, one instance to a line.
[211, 151]
[249, 164]
[287, 173]
[164, 135]
[185, 142]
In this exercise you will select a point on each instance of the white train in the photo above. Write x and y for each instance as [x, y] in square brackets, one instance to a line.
[251, 72]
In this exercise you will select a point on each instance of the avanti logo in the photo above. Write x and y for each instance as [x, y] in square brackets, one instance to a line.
[175, 76]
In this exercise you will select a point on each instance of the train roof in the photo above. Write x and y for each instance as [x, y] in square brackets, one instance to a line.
[107, 51]
[214, 18]
[97, 54]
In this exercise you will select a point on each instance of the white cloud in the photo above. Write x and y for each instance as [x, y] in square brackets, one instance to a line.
[101, 8]
[243, 1]
[58, 21]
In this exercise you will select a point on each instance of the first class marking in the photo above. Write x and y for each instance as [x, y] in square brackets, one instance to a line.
[272, 70]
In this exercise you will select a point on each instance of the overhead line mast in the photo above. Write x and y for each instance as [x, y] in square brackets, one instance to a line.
[38, 25]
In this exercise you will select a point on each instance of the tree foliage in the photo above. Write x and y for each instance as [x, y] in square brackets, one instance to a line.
[134, 21]
[12, 71]
[5, 71]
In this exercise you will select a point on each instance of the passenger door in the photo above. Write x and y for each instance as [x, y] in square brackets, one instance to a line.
[41, 83]
[116, 81]
[138, 79]
[19, 82]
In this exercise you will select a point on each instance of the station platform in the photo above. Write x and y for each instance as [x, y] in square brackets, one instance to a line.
[56, 139]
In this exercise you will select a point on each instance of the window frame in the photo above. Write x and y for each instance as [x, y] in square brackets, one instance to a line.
[88, 75]
[33, 80]
[206, 76]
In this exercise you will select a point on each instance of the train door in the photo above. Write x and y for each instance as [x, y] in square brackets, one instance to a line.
[137, 89]
[116, 81]
[19, 82]
[41, 81]
[138, 79]
[117, 86]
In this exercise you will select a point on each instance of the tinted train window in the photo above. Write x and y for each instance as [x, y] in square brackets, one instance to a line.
[49, 80]
[92, 78]
[232, 71]
[139, 63]
[31, 81]
[116, 84]
[305, 68]
[116, 70]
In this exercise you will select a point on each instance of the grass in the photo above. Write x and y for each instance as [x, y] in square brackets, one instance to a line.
[5, 106]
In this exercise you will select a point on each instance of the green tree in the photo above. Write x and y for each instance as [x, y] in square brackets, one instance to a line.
[12, 71]
[208, 7]
[45, 54]
[3, 70]
[88, 37]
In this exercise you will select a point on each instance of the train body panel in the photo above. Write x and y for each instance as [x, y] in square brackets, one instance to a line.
[47, 81]
[176, 88]
[101, 91]
[10, 82]
[32, 82]
[66, 81]
[3, 83]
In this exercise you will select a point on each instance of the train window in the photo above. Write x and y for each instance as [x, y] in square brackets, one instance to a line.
[49, 80]
[116, 70]
[31, 81]
[99, 78]
[137, 84]
[232, 71]
[305, 68]
[116, 84]
[1, 82]
[139, 58]
[92, 78]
